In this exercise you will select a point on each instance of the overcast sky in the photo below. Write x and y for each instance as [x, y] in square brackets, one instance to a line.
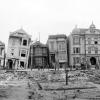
[47, 16]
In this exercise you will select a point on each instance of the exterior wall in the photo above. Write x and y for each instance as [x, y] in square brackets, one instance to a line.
[59, 50]
[88, 47]
[13, 47]
[17, 52]
[39, 57]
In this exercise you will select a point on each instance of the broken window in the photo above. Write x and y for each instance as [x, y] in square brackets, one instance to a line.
[23, 53]
[25, 42]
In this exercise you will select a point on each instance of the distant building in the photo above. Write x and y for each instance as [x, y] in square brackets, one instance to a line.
[2, 54]
[39, 55]
[57, 45]
[84, 47]
[18, 50]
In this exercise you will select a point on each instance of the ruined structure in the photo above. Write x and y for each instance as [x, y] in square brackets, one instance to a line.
[39, 55]
[18, 50]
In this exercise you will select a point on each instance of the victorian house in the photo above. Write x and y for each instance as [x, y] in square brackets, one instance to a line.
[84, 47]
[57, 45]
[39, 56]
[18, 50]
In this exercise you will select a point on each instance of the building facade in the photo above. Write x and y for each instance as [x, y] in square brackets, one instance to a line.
[57, 45]
[18, 50]
[2, 55]
[39, 56]
[84, 47]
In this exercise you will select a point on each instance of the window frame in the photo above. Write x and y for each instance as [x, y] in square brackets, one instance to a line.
[76, 40]
[25, 52]
[24, 42]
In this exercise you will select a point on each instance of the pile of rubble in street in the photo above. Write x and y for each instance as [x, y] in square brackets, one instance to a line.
[49, 85]
[93, 76]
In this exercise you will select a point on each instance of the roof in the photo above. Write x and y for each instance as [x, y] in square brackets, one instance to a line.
[20, 33]
[38, 43]
[2, 44]
[57, 36]
[84, 30]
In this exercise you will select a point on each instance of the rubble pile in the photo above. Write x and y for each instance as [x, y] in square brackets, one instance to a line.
[94, 76]
[77, 76]
[47, 76]
[41, 85]
[12, 78]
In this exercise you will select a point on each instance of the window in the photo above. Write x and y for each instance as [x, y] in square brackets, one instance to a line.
[23, 53]
[76, 40]
[89, 49]
[21, 64]
[95, 42]
[62, 56]
[25, 42]
[89, 40]
[38, 51]
[12, 52]
[13, 42]
[76, 50]
[96, 50]
[38, 61]
[61, 46]
[44, 50]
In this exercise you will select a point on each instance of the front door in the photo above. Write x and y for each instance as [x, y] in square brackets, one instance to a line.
[10, 64]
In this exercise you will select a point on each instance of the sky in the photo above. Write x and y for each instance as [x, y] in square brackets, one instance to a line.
[46, 17]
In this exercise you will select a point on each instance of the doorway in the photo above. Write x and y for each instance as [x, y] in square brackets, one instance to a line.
[21, 64]
[52, 57]
[10, 64]
[93, 60]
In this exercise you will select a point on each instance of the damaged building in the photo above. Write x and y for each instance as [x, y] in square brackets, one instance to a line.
[84, 47]
[18, 50]
[57, 45]
[39, 55]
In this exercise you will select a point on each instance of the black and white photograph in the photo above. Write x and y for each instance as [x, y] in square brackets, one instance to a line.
[49, 50]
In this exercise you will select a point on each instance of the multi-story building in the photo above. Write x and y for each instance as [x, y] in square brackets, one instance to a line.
[84, 47]
[57, 45]
[39, 55]
[2, 54]
[18, 50]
